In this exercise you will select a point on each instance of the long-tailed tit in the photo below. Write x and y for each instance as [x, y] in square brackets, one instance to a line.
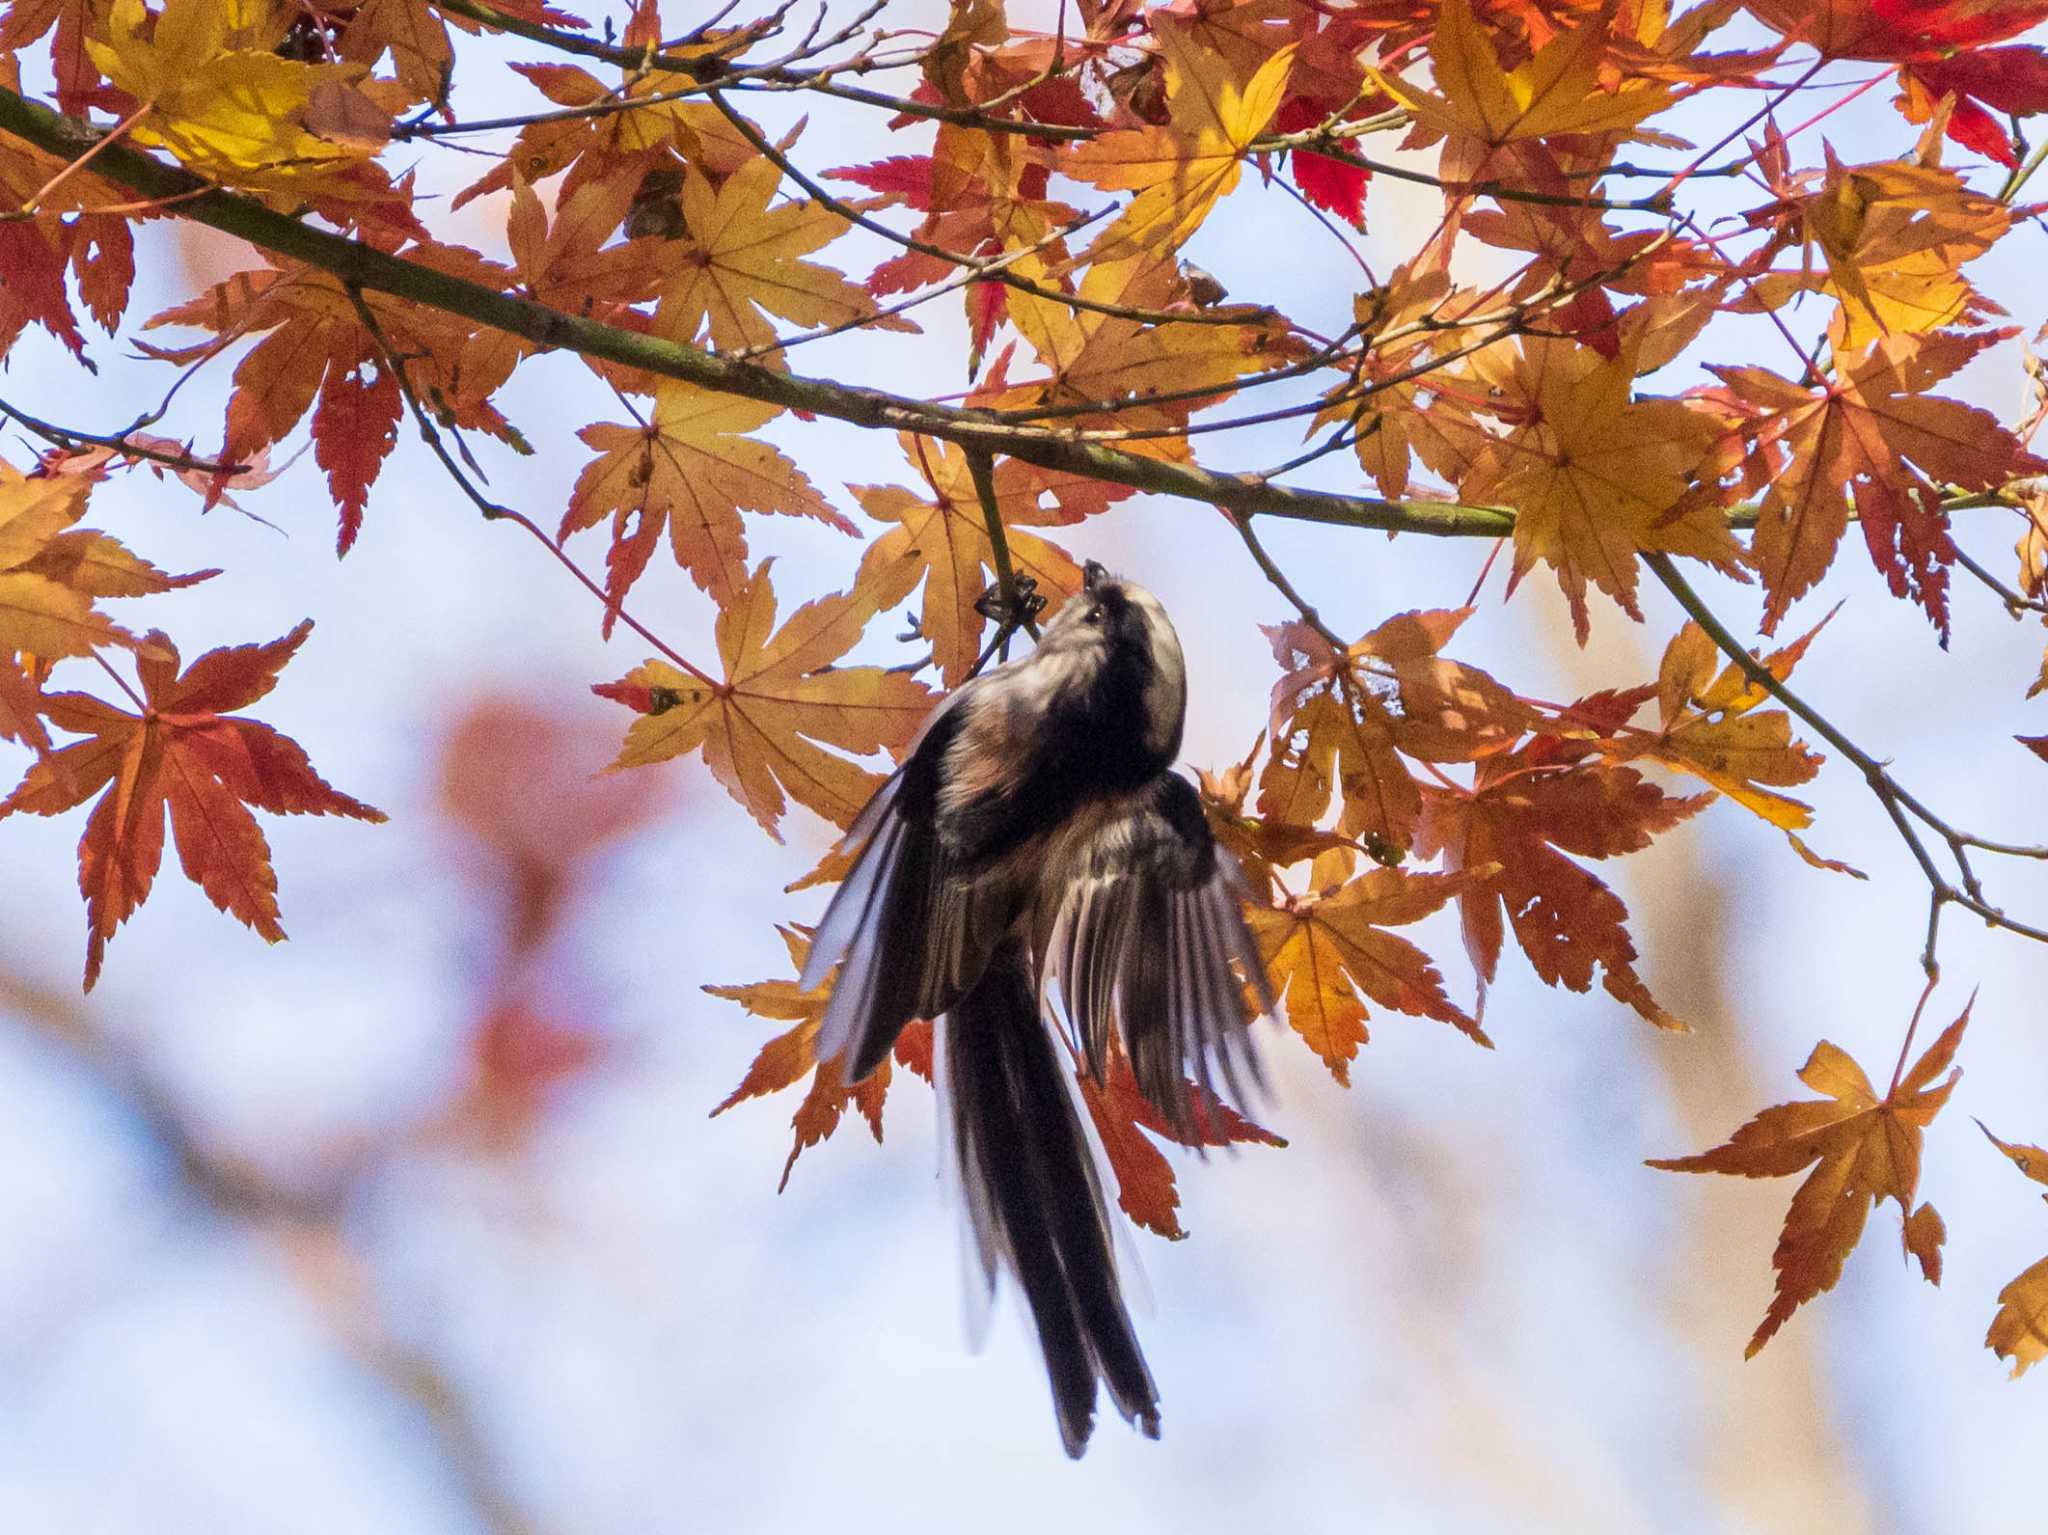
[1035, 832]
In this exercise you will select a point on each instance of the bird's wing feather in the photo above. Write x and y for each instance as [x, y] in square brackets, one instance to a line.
[1146, 925]
[912, 928]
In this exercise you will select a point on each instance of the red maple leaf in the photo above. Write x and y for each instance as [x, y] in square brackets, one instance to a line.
[186, 754]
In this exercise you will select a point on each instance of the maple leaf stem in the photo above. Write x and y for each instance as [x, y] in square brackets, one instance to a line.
[2022, 174]
[1283, 586]
[970, 271]
[1906, 1045]
[1770, 106]
[1898, 802]
[72, 168]
[121, 682]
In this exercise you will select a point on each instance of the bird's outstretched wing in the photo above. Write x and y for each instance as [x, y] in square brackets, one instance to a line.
[914, 932]
[1143, 930]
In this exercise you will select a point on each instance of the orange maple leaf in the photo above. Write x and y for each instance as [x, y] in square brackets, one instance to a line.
[1326, 952]
[184, 752]
[2019, 1331]
[782, 694]
[943, 543]
[1866, 1149]
[318, 356]
[691, 470]
[1261, 846]
[1179, 171]
[788, 1058]
[1873, 435]
[1342, 719]
[1146, 1189]
[741, 262]
[1524, 812]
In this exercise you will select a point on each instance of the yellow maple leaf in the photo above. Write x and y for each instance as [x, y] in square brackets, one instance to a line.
[1181, 170]
[760, 729]
[1867, 1149]
[944, 543]
[1595, 476]
[1895, 235]
[1712, 730]
[1095, 357]
[217, 95]
[1556, 90]
[742, 258]
[691, 470]
[49, 578]
[2019, 1331]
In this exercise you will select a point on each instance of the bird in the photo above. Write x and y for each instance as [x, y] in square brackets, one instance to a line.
[1036, 835]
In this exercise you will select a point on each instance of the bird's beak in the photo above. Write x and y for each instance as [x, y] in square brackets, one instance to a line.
[1092, 576]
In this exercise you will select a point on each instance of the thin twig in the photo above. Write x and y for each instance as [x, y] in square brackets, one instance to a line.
[494, 511]
[68, 437]
[1898, 803]
[981, 468]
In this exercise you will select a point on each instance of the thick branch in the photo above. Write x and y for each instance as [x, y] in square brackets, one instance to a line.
[359, 266]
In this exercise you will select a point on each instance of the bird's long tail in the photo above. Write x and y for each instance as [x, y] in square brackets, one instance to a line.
[1034, 1199]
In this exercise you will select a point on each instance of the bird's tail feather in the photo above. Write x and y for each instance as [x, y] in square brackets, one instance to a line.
[1029, 1181]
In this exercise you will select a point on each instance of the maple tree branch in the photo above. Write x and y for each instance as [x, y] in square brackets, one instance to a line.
[2015, 602]
[71, 437]
[378, 271]
[240, 1196]
[1278, 577]
[1900, 804]
[1501, 191]
[713, 69]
